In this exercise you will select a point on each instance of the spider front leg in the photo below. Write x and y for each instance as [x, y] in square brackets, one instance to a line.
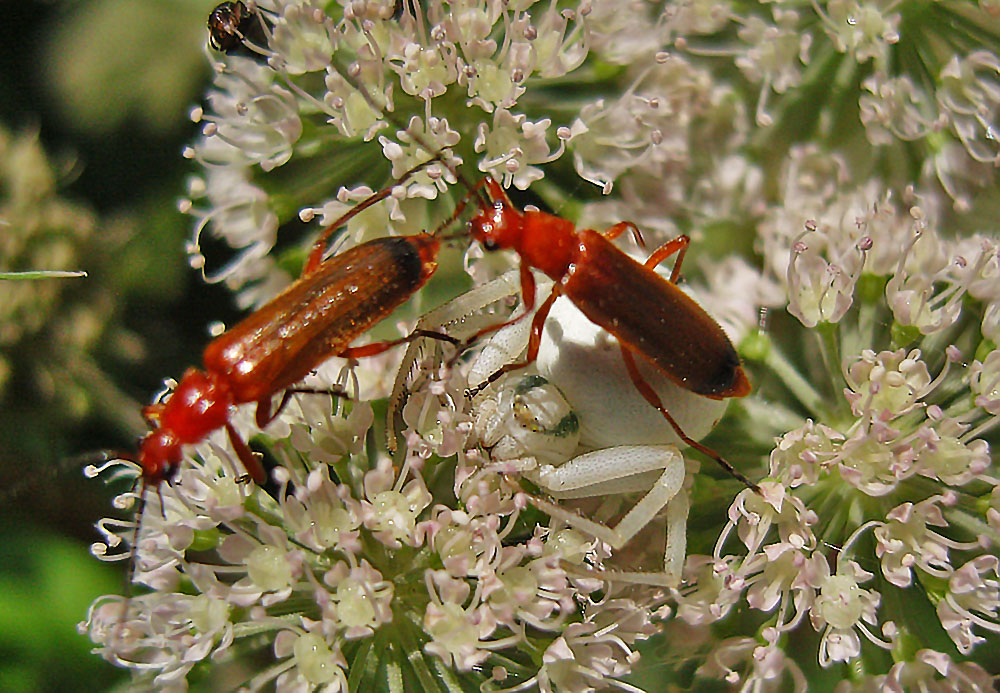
[657, 470]
[529, 431]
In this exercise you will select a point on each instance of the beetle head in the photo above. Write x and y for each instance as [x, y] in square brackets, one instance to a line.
[497, 225]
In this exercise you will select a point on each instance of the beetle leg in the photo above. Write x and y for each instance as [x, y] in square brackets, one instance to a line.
[537, 325]
[527, 298]
[375, 348]
[678, 245]
[650, 395]
[246, 456]
[621, 227]
[263, 414]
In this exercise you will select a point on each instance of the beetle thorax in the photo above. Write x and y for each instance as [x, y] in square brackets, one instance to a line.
[199, 405]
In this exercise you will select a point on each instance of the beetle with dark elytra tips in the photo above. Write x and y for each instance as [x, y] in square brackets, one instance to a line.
[315, 318]
[650, 317]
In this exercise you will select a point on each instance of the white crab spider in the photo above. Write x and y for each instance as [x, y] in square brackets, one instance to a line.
[619, 443]
[523, 422]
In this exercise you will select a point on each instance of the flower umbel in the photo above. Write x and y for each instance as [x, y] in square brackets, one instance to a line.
[838, 162]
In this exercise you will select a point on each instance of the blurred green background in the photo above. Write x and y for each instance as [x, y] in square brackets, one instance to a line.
[93, 116]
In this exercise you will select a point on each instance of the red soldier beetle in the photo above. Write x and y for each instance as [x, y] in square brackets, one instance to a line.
[333, 302]
[648, 314]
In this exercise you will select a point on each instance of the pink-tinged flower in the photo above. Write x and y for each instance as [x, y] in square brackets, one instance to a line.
[919, 292]
[714, 592]
[309, 661]
[819, 290]
[359, 601]
[886, 385]
[984, 382]
[757, 667]
[972, 600]
[323, 515]
[936, 671]
[459, 634]
[841, 609]
[906, 541]
[390, 512]
[512, 145]
[788, 577]
[941, 452]
[804, 455]
[894, 108]
[597, 651]
[865, 30]
[754, 515]
[968, 93]
[171, 631]
[875, 460]
[774, 55]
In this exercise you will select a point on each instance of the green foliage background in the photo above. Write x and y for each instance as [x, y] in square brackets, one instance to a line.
[105, 87]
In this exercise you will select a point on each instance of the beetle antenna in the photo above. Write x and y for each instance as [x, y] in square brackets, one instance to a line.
[319, 248]
[459, 208]
[474, 190]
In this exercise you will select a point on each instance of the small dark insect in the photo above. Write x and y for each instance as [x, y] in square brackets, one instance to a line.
[401, 7]
[231, 25]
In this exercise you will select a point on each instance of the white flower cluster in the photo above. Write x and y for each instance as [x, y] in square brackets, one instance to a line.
[621, 85]
[891, 472]
[341, 562]
[843, 154]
